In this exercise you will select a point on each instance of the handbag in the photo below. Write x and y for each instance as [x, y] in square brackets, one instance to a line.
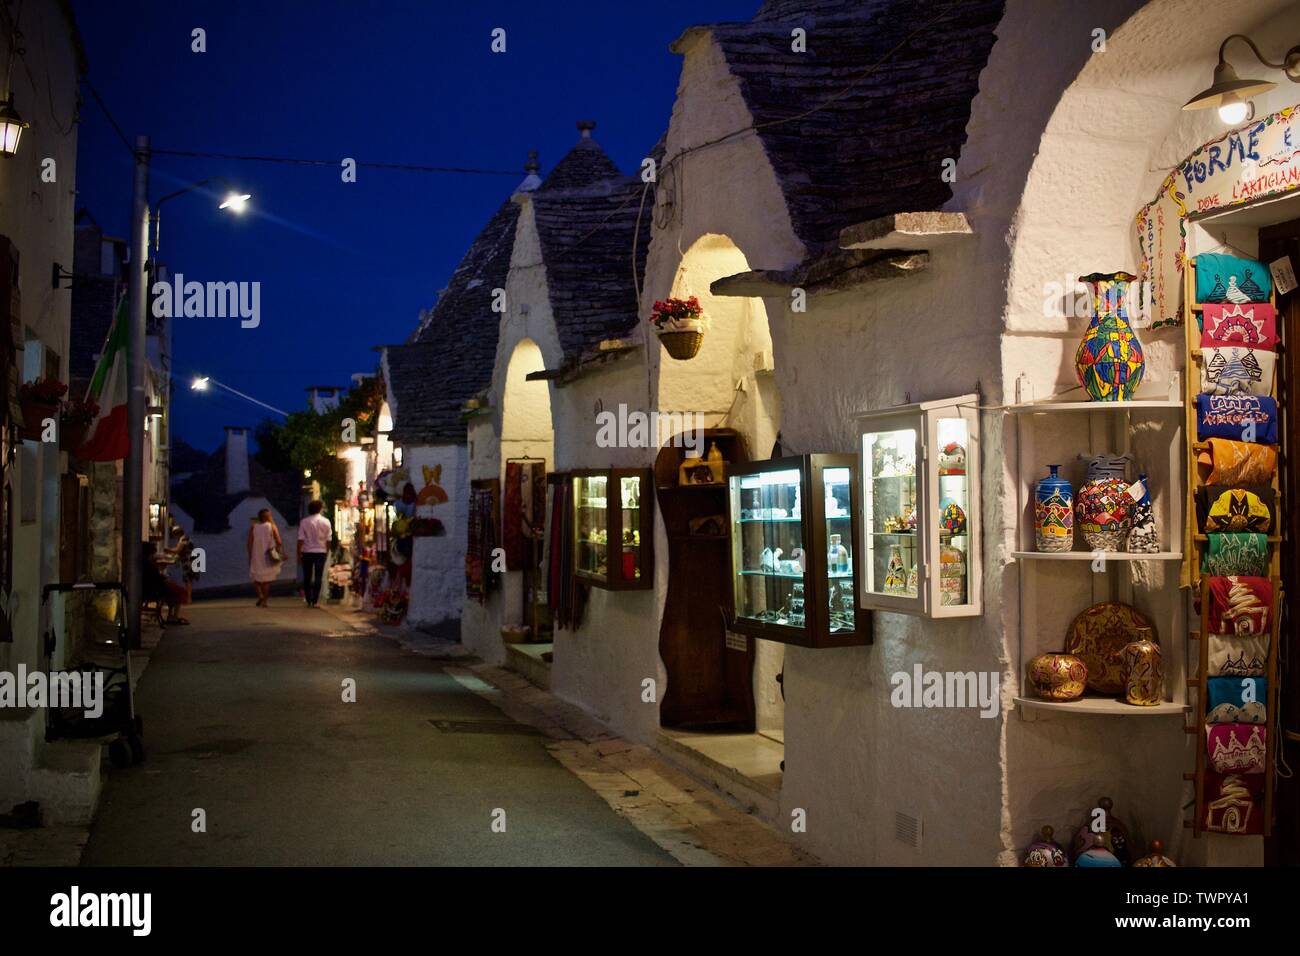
[274, 555]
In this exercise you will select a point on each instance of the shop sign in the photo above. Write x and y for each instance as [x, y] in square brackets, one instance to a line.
[1259, 160]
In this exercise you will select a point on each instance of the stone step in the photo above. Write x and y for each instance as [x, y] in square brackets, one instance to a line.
[526, 661]
[758, 797]
[67, 781]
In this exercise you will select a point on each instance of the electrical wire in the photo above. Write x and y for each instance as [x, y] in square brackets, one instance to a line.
[103, 107]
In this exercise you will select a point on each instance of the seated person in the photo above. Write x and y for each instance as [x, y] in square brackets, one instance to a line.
[156, 586]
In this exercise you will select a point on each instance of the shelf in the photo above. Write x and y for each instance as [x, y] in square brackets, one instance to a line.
[892, 477]
[1031, 707]
[1091, 555]
[1137, 403]
[773, 574]
[768, 520]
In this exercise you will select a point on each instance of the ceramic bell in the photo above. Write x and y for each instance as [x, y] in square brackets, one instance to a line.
[1097, 854]
[1045, 852]
[1156, 857]
[1114, 834]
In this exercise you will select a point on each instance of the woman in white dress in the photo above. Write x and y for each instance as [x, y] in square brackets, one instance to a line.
[262, 537]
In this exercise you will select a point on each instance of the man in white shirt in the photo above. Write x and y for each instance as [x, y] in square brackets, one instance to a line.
[314, 533]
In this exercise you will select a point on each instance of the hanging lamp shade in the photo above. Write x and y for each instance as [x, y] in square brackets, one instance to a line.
[1227, 85]
[11, 128]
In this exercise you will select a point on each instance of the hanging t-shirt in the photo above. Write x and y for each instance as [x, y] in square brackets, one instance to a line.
[1252, 324]
[1229, 416]
[1221, 278]
[1235, 369]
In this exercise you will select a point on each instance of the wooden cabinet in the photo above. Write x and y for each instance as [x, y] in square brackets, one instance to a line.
[793, 573]
[613, 528]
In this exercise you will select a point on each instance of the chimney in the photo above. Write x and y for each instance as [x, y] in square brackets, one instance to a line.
[531, 169]
[585, 127]
[236, 459]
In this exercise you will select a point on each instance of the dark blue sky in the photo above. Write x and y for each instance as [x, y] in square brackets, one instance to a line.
[344, 267]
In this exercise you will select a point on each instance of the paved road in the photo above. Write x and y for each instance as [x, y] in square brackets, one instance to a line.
[244, 719]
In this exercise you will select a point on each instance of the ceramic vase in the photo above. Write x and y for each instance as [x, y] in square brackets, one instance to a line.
[1105, 513]
[895, 572]
[952, 575]
[1058, 676]
[1142, 537]
[1053, 512]
[1144, 674]
[1109, 360]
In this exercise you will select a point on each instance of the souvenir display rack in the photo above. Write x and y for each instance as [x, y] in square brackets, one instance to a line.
[919, 530]
[1109, 429]
[793, 564]
[1199, 583]
[613, 528]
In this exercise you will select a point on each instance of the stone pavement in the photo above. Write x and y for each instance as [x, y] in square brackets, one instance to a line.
[696, 825]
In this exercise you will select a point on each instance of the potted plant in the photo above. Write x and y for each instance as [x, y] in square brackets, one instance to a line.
[75, 422]
[39, 400]
[680, 325]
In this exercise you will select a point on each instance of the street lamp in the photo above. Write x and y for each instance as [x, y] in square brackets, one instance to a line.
[201, 383]
[11, 128]
[1231, 94]
[236, 201]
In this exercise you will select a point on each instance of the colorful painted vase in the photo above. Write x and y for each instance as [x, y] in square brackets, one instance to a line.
[1054, 512]
[1045, 851]
[1105, 513]
[895, 572]
[1109, 360]
[952, 576]
[1144, 674]
[1058, 676]
[1142, 537]
[951, 517]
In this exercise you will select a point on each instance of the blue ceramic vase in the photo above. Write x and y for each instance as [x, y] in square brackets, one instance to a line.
[1054, 512]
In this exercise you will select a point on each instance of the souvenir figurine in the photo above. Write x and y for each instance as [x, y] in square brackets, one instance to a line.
[1097, 854]
[952, 459]
[1156, 856]
[1044, 851]
[1113, 836]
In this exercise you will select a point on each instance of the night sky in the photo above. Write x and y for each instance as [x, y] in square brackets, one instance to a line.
[347, 266]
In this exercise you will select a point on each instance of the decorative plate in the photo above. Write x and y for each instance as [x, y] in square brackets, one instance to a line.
[1099, 635]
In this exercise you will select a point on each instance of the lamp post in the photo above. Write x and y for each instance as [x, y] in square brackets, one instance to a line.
[137, 331]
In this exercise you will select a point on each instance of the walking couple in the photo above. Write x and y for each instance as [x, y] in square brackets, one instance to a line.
[266, 552]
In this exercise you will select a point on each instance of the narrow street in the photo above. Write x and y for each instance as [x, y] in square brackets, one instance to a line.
[244, 719]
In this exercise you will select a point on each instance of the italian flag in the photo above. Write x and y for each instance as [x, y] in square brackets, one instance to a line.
[108, 439]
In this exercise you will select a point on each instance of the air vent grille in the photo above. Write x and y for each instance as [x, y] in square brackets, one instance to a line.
[907, 829]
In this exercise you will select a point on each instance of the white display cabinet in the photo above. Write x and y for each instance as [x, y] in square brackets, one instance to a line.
[919, 527]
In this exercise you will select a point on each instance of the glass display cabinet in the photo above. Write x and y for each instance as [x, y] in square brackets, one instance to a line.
[613, 528]
[919, 527]
[792, 556]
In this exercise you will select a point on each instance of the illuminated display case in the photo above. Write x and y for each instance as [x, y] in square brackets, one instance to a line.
[613, 528]
[919, 527]
[792, 554]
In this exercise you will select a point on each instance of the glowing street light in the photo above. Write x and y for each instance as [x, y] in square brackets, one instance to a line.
[236, 202]
[201, 383]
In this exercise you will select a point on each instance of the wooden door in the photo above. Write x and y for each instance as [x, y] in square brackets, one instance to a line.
[1283, 848]
[710, 681]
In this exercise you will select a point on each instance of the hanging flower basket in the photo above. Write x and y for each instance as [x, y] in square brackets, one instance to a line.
[39, 400]
[680, 325]
[75, 422]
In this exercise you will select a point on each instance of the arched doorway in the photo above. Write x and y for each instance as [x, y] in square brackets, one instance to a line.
[527, 452]
[715, 681]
